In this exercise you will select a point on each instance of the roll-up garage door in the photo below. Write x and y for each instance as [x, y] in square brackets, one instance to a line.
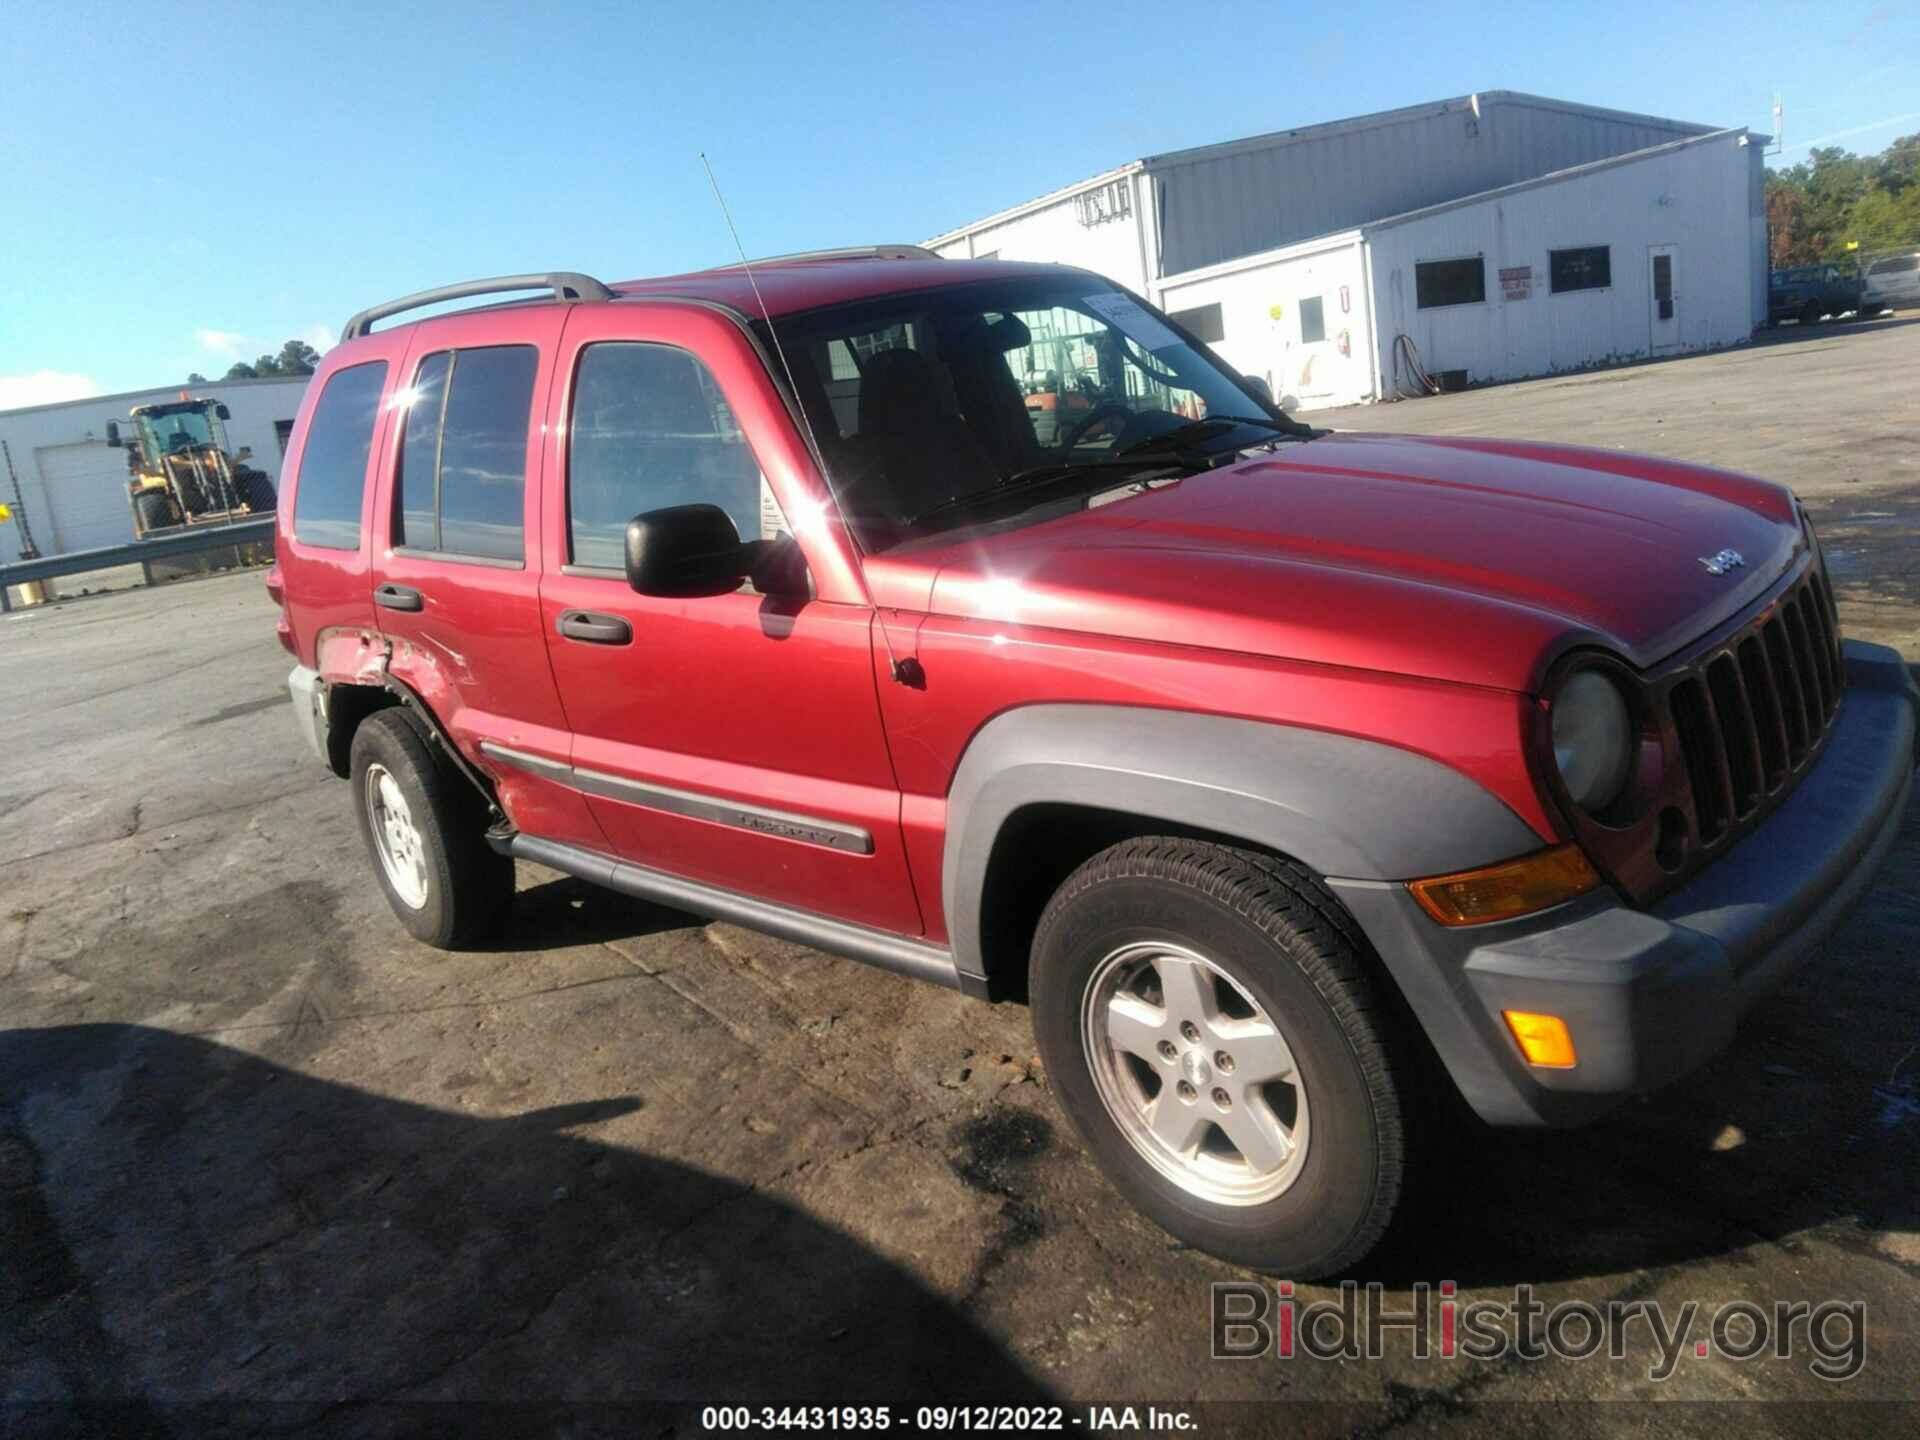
[86, 488]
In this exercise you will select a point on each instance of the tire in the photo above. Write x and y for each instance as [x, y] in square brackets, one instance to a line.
[1811, 312]
[1152, 908]
[153, 509]
[445, 883]
[257, 491]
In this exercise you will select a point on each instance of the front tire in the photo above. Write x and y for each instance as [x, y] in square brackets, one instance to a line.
[425, 829]
[1212, 1030]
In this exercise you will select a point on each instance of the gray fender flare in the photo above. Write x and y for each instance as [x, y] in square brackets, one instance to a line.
[1346, 808]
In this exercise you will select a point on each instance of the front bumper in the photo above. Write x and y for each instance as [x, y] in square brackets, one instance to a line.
[1650, 994]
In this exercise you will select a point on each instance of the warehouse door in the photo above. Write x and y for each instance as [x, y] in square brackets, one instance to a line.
[86, 489]
[1664, 261]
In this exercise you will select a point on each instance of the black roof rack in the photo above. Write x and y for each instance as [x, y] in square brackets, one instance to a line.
[565, 285]
[848, 252]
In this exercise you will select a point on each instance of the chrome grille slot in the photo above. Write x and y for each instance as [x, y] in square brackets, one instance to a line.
[1706, 764]
[1769, 724]
[1793, 705]
[1733, 719]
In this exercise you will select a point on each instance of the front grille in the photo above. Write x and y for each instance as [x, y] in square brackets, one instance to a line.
[1750, 713]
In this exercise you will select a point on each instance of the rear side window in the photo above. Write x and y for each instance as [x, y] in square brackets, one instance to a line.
[463, 459]
[333, 467]
[651, 429]
[1899, 265]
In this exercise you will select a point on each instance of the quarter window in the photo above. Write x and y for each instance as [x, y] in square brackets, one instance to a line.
[1449, 282]
[463, 459]
[333, 467]
[651, 429]
[1313, 320]
[1588, 268]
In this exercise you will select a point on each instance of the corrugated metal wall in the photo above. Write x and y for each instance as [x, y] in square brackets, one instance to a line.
[1235, 200]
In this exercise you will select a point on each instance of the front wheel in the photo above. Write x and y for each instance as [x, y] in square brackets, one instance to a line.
[425, 829]
[1213, 1032]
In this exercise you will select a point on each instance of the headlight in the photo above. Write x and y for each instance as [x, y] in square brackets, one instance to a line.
[1592, 739]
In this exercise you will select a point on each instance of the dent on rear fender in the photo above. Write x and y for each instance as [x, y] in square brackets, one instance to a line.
[351, 656]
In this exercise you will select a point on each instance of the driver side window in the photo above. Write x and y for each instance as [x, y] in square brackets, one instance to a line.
[650, 429]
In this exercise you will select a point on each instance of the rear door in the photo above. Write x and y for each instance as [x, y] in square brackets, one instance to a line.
[457, 554]
[1663, 262]
[733, 739]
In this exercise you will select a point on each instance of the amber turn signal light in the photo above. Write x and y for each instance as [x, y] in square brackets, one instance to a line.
[1515, 887]
[1543, 1039]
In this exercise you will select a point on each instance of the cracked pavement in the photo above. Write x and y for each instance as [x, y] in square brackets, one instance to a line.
[263, 1155]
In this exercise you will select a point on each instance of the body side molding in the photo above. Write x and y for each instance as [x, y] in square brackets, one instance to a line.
[1342, 806]
[782, 824]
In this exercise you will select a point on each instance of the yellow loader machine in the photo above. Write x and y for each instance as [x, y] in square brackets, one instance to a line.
[180, 472]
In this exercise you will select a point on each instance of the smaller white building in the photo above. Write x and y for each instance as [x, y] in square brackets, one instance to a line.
[73, 485]
[1643, 254]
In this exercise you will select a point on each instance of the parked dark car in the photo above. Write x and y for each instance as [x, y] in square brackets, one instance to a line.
[1810, 293]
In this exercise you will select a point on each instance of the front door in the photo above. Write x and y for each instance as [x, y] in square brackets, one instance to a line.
[1664, 302]
[733, 739]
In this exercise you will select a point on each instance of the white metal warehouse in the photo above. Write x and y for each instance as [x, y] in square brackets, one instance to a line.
[73, 485]
[1503, 235]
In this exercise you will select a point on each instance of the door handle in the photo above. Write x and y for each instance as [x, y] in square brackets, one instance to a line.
[596, 629]
[399, 597]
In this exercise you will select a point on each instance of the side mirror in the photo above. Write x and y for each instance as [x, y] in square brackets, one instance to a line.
[113, 433]
[685, 550]
[223, 412]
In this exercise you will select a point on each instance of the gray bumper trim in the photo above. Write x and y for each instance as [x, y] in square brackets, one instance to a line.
[309, 694]
[1649, 995]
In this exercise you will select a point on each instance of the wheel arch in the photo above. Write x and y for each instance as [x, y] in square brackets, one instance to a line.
[1047, 783]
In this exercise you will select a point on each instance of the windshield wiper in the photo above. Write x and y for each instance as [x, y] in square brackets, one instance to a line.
[1182, 436]
[1039, 477]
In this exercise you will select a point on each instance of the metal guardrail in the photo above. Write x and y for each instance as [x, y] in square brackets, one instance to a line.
[160, 547]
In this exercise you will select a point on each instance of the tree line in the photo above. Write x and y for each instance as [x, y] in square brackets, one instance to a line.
[296, 357]
[1834, 205]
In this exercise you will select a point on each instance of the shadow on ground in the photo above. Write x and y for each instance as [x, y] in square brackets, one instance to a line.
[199, 1242]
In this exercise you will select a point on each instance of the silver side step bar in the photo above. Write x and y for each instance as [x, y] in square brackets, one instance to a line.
[914, 958]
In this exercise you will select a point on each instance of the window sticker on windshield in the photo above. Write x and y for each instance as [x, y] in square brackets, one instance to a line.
[1123, 312]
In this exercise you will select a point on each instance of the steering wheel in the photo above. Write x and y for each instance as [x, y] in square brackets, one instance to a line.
[1093, 417]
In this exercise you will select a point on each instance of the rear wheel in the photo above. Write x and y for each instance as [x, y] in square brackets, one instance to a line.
[256, 490]
[1811, 312]
[425, 829]
[1212, 1030]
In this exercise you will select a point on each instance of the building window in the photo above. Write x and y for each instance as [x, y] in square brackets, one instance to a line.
[1588, 268]
[1203, 322]
[1112, 201]
[283, 432]
[1449, 282]
[1313, 320]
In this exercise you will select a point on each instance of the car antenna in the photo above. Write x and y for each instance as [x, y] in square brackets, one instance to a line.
[906, 672]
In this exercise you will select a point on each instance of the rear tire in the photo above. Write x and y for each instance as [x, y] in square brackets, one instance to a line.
[1258, 971]
[1811, 312]
[257, 491]
[425, 828]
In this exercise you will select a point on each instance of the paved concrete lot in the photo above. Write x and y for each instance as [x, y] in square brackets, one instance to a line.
[261, 1152]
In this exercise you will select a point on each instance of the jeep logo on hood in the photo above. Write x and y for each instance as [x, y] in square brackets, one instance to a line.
[1723, 562]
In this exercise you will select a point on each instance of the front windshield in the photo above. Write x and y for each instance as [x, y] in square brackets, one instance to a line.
[922, 401]
[182, 430]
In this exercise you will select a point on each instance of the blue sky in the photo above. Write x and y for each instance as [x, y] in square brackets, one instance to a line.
[180, 187]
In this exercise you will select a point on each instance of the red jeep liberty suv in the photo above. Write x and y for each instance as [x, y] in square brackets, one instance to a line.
[1292, 777]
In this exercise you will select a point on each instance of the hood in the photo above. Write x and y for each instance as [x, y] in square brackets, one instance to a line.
[1473, 561]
